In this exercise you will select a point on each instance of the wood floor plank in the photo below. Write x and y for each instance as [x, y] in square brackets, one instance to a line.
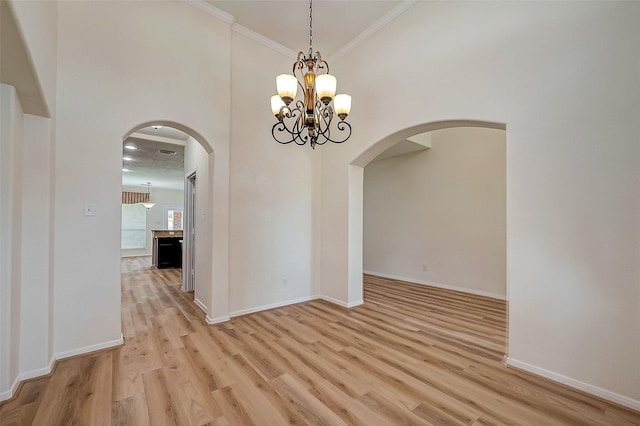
[130, 411]
[411, 354]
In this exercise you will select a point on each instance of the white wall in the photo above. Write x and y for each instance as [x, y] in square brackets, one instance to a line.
[444, 208]
[11, 133]
[155, 216]
[36, 340]
[39, 24]
[564, 79]
[271, 190]
[563, 76]
[32, 180]
[196, 160]
[179, 76]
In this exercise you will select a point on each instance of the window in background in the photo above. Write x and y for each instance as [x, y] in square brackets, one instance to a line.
[134, 226]
[173, 217]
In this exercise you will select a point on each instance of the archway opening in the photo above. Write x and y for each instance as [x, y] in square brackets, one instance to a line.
[443, 245]
[179, 229]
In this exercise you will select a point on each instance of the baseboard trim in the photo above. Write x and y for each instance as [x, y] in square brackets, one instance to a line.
[241, 312]
[438, 285]
[40, 372]
[200, 305]
[269, 306]
[88, 349]
[8, 394]
[576, 384]
[218, 320]
[340, 302]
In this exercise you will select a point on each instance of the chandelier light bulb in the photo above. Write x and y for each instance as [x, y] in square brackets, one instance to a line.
[276, 105]
[342, 105]
[287, 87]
[326, 87]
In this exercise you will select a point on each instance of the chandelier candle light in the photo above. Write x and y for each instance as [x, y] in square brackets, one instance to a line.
[148, 204]
[309, 119]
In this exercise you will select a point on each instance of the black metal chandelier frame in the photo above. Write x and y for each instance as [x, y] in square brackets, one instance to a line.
[309, 119]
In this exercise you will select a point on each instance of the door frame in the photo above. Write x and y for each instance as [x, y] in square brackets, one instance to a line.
[189, 233]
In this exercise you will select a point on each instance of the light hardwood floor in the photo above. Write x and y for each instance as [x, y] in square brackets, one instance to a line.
[410, 355]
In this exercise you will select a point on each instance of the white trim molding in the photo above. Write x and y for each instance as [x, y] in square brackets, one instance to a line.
[340, 302]
[373, 28]
[212, 10]
[269, 306]
[218, 320]
[8, 394]
[88, 349]
[247, 311]
[37, 373]
[229, 19]
[200, 305]
[576, 384]
[265, 41]
[438, 285]
[55, 358]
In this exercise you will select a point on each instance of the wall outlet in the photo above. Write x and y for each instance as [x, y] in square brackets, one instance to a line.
[424, 267]
[284, 282]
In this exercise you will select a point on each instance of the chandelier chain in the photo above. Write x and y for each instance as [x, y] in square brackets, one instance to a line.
[310, 28]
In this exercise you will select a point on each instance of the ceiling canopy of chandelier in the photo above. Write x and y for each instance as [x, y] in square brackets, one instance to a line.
[309, 119]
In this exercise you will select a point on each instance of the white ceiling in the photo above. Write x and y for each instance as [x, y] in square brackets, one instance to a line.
[336, 23]
[148, 164]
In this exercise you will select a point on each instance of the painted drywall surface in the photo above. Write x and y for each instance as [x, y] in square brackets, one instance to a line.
[12, 119]
[196, 160]
[31, 247]
[444, 208]
[118, 68]
[35, 341]
[155, 215]
[564, 77]
[271, 190]
[38, 25]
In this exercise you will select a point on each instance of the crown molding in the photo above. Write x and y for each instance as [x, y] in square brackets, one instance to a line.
[265, 41]
[212, 10]
[373, 28]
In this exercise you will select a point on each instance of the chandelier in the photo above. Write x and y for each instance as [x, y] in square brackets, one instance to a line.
[309, 119]
[148, 204]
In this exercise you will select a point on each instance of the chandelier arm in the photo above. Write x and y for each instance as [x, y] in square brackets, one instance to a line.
[296, 119]
[279, 128]
[299, 127]
[342, 126]
[321, 64]
[299, 63]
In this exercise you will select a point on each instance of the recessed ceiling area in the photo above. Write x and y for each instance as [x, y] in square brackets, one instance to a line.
[335, 22]
[155, 156]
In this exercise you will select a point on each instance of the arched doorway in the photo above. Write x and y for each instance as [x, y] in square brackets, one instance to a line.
[211, 269]
[356, 194]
